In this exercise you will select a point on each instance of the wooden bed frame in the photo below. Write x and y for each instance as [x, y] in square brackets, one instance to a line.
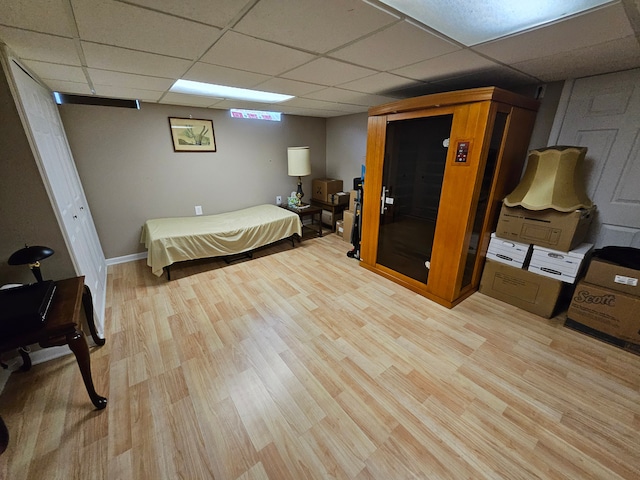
[171, 240]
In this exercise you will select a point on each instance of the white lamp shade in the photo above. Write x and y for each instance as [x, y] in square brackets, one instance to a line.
[299, 161]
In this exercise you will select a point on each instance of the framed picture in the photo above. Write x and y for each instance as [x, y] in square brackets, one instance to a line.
[192, 135]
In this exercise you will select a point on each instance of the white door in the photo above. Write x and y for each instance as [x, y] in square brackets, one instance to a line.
[603, 114]
[61, 178]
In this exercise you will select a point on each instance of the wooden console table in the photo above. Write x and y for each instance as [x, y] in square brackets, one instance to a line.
[63, 327]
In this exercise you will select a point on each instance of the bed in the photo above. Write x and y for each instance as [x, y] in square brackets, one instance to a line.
[170, 240]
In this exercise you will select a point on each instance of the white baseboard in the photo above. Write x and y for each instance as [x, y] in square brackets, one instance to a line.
[126, 258]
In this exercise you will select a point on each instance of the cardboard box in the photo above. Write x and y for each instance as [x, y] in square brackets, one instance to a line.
[509, 252]
[546, 228]
[347, 223]
[353, 197]
[516, 286]
[338, 198]
[565, 266]
[323, 187]
[608, 311]
[340, 228]
[612, 276]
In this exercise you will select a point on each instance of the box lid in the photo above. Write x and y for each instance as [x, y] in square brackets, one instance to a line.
[508, 242]
[611, 275]
[579, 252]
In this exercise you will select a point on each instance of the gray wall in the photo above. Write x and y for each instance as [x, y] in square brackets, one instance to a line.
[26, 214]
[546, 114]
[346, 147]
[347, 136]
[130, 172]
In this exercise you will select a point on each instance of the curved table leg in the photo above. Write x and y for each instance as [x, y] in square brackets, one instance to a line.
[78, 345]
[87, 303]
[4, 436]
[26, 359]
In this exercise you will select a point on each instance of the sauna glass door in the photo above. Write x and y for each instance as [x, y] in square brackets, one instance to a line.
[414, 163]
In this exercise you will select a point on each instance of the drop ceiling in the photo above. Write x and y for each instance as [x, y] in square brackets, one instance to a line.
[336, 57]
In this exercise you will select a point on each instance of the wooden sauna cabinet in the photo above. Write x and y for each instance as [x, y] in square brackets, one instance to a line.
[437, 169]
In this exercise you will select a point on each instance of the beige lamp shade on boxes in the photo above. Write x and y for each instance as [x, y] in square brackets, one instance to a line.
[553, 179]
[299, 165]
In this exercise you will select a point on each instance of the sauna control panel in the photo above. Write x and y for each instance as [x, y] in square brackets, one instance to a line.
[462, 152]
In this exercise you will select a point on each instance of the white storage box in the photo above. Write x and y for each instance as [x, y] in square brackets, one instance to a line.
[565, 266]
[329, 218]
[507, 251]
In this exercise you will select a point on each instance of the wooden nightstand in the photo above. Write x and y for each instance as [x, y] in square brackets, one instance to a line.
[334, 209]
[308, 211]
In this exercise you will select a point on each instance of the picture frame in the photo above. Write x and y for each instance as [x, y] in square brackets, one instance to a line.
[192, 134]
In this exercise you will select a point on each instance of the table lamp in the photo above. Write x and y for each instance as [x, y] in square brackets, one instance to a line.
[31, 256]
[299, 164]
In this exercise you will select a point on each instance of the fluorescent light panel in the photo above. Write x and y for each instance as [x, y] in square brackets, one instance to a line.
[472, 23]
[222, 91]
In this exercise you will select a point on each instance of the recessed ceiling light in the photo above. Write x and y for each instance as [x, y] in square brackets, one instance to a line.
[222, 91]
[471, 23]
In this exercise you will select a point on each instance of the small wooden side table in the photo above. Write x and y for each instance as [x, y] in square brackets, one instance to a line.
[63, 327]
[334, 209]
[307, 211]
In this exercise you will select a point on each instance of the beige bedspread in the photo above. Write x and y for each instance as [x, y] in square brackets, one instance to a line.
[170, 240]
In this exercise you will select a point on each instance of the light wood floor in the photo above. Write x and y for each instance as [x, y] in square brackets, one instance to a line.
[299, 364]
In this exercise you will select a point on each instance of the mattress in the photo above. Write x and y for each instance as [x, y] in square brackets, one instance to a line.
[170, 240]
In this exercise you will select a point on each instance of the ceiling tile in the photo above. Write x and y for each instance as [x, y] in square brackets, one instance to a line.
[118, 79]
[239, 51]
[226, 104]
[598, 26]
[611, 56]
[326, 71]
[378, 83]
[386, 50]
[350, 97]
[55, 71]
[190, 100]
[212, 12]
[44, 16]
[127, 93]
[455, 63]
[141, 29]
[310, 112]
[288, 87]
[322, 105]
[503, 77]
[118, 59]
[68, 87]
[39, 46]
[335, 56]
[205, 72]
[415, 90]
[309, 26]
